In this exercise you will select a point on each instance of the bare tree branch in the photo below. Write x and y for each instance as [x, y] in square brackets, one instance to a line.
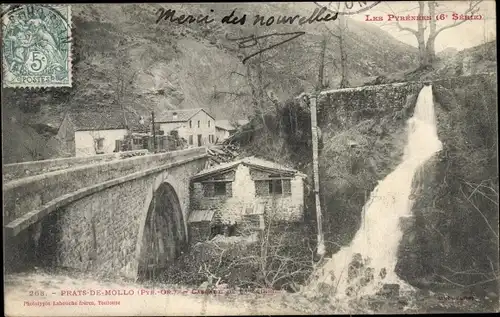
[451, 282]
[401, 28]
[473, 9]
[478, 210]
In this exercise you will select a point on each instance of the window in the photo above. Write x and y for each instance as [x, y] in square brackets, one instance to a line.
[213, 189]
[99, 144]
[137, 141]
[190, 124]
[275, 187]
[271, 187]
[219, 189]
[198, 123]
[209, 123]
[190, 139]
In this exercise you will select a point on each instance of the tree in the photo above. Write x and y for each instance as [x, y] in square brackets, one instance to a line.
[321, 68]
[124, 76]
[426, 48]
[267, 259]
[257, 73]
[340, 35]
[342, 28]
[97, 141]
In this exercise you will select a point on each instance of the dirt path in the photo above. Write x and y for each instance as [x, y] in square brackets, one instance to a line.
[41, 294]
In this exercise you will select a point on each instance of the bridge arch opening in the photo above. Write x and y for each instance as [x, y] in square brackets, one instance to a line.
[36, 246]
[164, 236]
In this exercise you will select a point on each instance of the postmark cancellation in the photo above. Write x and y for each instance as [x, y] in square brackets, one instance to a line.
[36, 48]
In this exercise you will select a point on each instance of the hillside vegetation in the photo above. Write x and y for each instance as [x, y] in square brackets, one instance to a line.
[122, 57]
[475, 60]
[192, 65]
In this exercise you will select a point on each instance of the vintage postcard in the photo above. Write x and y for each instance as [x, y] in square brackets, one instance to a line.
[190, 159]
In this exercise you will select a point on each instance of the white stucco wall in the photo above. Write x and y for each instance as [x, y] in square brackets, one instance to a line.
[84, 141]
[243, 185]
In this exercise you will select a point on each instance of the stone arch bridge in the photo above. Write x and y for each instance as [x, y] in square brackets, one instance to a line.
[119, 214]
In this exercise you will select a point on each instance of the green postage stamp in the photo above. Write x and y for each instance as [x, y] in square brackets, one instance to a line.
[36, 45]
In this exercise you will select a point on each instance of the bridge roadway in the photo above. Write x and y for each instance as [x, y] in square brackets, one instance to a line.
[116, 214]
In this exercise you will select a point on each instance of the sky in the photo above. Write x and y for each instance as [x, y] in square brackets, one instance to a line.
[468, 34]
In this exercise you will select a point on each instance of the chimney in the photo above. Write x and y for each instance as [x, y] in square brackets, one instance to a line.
[174, 116]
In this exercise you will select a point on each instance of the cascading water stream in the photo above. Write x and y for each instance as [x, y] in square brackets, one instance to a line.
[370, 260]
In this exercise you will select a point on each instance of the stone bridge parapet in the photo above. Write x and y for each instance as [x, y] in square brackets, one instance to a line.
[28, 199]
[26, 169]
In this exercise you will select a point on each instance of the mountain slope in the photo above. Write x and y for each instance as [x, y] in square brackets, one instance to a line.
[122, 57]
[196, 62]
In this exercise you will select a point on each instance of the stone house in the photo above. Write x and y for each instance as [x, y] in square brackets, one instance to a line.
[196, 126]
[244, 194]
[84, 133]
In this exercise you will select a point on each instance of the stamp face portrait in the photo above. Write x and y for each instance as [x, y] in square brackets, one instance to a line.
[37, 46]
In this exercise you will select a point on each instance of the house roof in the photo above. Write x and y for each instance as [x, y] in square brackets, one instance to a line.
[182, 115]
[228, 124]
[250, 161]
[106, 120]
[201, 215]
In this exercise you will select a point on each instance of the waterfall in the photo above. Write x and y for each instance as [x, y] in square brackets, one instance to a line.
[362, 267]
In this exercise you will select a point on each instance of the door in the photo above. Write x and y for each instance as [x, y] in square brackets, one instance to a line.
[199, 139]
[118, 146]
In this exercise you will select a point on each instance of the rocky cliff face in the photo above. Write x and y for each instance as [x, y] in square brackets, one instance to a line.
[452, 240]
[364, 134]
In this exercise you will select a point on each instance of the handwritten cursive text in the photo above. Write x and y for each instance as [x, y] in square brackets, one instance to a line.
[250, 41]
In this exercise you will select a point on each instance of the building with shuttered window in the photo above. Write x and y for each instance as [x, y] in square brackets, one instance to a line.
[196, 126]
[246, 192]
